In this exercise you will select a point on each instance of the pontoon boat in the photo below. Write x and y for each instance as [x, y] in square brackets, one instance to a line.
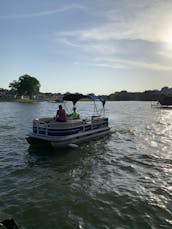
[73, 131]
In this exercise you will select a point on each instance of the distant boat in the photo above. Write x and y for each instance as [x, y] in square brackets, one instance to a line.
[73, 131]
[165, 99]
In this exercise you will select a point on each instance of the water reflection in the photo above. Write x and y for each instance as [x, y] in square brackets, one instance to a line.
[124, 179]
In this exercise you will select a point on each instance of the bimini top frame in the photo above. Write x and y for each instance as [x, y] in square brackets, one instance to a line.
[74, 98]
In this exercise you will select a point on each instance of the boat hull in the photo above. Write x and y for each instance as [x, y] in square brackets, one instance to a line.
[33, 140]
[165, 100]
[65, 141]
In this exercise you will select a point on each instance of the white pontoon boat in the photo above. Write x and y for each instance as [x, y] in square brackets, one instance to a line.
[73, 131]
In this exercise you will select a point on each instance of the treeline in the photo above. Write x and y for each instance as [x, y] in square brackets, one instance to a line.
[150, 95]
[29, 87]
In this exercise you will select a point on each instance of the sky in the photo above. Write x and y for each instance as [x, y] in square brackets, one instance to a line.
[87, 46]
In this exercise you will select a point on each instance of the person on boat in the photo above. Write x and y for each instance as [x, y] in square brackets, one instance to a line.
[61, 114]
[75, 115]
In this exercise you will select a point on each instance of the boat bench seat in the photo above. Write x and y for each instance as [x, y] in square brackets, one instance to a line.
[68, 124]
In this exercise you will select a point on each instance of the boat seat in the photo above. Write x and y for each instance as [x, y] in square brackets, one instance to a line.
[68, 124]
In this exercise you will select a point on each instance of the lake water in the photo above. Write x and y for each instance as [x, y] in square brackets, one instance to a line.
[120, 181]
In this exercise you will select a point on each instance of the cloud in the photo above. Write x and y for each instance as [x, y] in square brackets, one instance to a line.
[44, 13]
[151, 23]
[135, 33]
[124, 63]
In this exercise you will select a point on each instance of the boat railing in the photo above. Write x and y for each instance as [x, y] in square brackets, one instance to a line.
[43, 125]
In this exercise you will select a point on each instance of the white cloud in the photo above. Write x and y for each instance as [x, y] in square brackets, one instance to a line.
[151, 23]
[125, 28]
[44, 13]
[124, 63]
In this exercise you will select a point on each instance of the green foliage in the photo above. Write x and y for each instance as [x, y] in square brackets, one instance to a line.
[25, 100]
[151, 95]
[14, 86]
[25, 86]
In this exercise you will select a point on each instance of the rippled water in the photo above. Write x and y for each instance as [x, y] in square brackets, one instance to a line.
[120, 181]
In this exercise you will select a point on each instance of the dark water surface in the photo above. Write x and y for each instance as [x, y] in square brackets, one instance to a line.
[120, 181]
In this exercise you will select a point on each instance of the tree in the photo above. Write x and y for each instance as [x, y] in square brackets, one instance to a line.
[14, 86]
[26, 85]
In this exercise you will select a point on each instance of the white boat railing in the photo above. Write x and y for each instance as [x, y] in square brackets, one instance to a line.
[47, 123]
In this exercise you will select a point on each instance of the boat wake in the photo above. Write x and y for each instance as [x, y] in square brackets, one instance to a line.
[122, 131]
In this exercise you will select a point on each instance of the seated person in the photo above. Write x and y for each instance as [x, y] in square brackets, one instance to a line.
[61, 115]
[74, 114]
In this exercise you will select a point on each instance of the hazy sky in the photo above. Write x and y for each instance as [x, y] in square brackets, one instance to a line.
[99, 46]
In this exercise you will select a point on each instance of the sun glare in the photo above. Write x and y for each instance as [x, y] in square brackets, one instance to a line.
[168, 39]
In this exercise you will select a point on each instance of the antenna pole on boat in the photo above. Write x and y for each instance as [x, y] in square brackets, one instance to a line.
[95, 108]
